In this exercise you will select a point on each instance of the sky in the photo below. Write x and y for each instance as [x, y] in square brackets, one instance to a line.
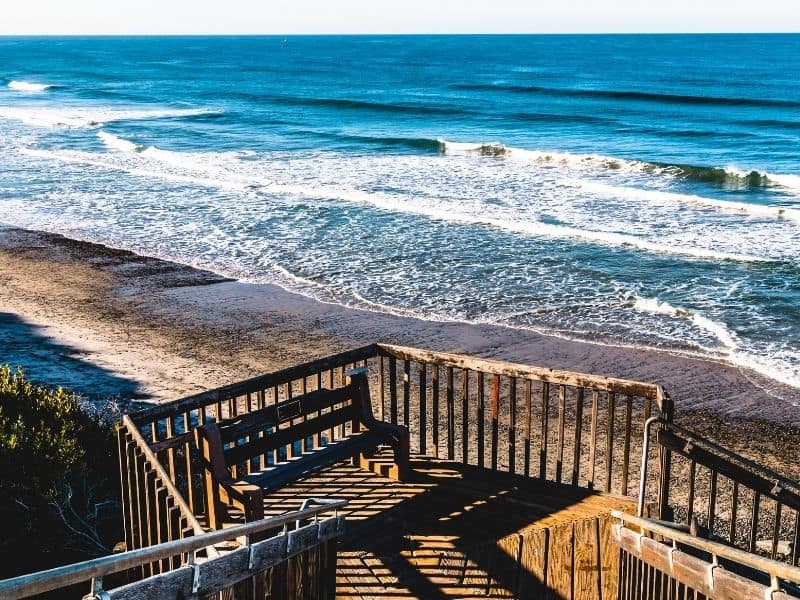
[285, 17]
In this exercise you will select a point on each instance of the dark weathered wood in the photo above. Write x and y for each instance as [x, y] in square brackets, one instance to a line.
[451, 416]
[495, 419]
[423, 409]
[481, 420]
[610, 439]
[528, 421]
[593, 438]
[393, 389]
[544, 433]
[754, 521]
[562, 415]
[712, 503]
[576, 452]
[435, 400]
[626, 450]
[465, 416]
[406, 392]
[381, 388]
[512, 425]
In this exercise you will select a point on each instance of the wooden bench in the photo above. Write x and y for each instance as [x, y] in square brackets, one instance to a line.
[240, 445]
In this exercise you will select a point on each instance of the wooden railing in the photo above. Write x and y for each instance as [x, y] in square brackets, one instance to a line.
[298, 561]
[731, 498]
[555, 425]
[549, 424]
[659, 560]
[154, 511]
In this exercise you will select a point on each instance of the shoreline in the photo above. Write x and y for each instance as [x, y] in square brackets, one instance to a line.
[169, 299]
[113, 324]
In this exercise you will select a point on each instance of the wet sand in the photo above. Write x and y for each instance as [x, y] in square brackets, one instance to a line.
[106, 322]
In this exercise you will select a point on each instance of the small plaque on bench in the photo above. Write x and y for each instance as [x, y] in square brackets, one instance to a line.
[289, 410]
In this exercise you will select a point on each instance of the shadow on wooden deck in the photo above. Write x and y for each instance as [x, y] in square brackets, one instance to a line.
[457, 531]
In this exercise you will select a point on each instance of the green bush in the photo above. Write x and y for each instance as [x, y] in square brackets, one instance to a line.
[57, 467]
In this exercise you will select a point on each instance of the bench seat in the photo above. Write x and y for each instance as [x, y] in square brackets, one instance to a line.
[265, 449]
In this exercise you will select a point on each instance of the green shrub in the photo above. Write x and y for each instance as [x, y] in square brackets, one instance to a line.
[57, 465]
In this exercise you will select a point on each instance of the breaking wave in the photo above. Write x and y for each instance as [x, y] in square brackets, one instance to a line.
[729, 346]
[27, 86]
[725, 177]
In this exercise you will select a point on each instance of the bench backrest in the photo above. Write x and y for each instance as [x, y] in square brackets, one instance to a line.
[282, 425]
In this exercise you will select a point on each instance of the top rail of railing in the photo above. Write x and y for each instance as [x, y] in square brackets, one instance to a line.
[771, 567]
[509, 369]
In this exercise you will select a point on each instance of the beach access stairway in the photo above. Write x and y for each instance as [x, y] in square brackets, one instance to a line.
[523, 482]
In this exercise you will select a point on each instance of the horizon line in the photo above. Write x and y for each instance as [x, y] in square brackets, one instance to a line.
[397, 34]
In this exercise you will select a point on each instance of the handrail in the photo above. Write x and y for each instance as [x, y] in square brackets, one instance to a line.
[773, 568]
[765, 472]
[45, 581]
[130, 426]
[500, 367]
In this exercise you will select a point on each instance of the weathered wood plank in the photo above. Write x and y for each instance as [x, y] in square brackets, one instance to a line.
[585, 563]
[560, 575]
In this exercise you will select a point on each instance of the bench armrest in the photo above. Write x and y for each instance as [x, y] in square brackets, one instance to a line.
[221, 488]
[397, 435]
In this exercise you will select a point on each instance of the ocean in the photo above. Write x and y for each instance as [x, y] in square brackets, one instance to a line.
[636, 190]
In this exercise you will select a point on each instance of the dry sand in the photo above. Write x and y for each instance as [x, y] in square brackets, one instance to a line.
[106, 323]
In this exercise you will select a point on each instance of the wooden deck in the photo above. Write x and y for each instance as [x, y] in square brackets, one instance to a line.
[456, 531]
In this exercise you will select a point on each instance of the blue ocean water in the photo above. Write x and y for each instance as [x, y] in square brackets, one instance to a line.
[639, 190]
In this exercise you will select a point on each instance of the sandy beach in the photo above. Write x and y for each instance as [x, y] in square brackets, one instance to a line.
[112, 324]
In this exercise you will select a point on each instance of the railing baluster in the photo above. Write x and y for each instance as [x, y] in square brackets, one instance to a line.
[512, 425]
[593, 437]
[451, 416]
[545, 422]
[712, 503]
[734, 506]
[776, 530]
[576, 457]
[481, 419]
[626, 451]
[423, 409]
[528, 418]
[690, 502]
[393, 389]
[754, 522]
[435, 425]
[562, 410]
[407, 393]
[381, 389]
[610, 438]
[465, 416]
[495, 417]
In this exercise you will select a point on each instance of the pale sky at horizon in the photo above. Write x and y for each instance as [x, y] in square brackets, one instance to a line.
[286, 17]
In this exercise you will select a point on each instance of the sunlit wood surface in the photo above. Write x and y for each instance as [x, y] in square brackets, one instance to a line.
[455, 531]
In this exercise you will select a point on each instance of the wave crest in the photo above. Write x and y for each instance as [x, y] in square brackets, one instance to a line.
[27, 86]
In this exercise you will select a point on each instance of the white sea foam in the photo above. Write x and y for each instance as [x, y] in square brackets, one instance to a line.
[85, 118]
[730, 349]
[27, 86]
[593, 162]
[117, 143]
[199, 170]
[756, 210]
[719, 330]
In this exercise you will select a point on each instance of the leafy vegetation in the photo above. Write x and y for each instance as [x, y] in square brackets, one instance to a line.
[57, 477]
